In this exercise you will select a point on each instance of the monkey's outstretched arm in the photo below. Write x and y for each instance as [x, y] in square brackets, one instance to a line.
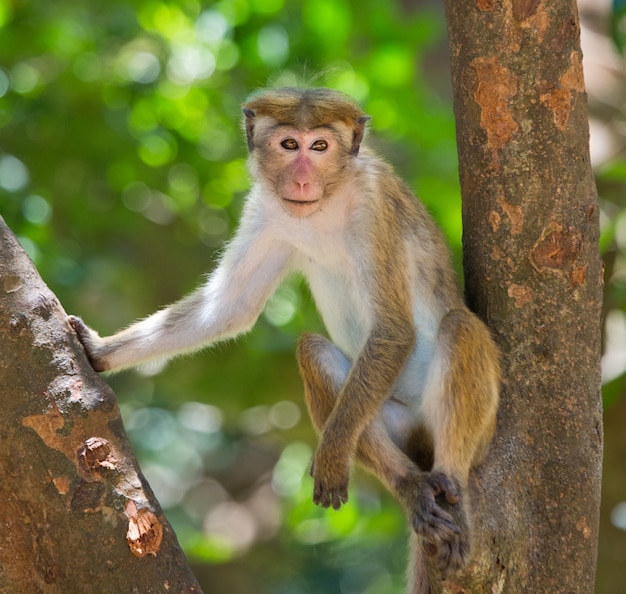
[226, 305]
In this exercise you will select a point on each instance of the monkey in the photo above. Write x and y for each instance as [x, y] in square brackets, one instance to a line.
[407, 381]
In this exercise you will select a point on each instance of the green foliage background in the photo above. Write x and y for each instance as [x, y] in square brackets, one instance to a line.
[122, 170]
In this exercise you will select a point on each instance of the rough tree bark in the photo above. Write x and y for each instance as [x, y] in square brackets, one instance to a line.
[533, 271]
[76, 515]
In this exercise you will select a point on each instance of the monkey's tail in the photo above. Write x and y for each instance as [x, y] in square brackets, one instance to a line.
[418, 582]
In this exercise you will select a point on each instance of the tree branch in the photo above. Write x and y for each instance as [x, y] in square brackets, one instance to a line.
[75, 506]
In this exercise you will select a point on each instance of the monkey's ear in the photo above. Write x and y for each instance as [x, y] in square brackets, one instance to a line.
[250, 115]
[357, 135]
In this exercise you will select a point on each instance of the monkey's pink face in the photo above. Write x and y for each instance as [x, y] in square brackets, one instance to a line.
[307, 163]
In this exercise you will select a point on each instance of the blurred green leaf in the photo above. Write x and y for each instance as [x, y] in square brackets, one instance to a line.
[618, 24]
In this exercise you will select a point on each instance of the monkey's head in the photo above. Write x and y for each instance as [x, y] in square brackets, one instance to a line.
[300, 142]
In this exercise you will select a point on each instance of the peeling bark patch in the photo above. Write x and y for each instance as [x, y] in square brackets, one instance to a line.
[145, 532]
[496, 85]
[494, 220]
[515, 214]
[104, 475]
[62, 484]
[574, 78]
[11, 283]
[75, 387]
[557, 249]
[583, 527]
[97, 454]
[524, 9]
[46, 426]
[521, 294]
[577, 276]
[532, 16]
[559, 101]
[487, 5]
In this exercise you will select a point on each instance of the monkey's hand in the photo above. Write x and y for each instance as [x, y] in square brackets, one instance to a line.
[438, 515]
[331, 475]
[91, 342]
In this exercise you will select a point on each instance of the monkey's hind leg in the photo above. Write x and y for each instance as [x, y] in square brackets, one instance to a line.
[459, 408]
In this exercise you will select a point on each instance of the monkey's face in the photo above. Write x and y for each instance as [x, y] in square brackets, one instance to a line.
[304, 166]
[301, 143]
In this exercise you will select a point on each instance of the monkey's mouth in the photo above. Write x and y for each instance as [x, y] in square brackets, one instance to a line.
[303, 202]
[300, 208]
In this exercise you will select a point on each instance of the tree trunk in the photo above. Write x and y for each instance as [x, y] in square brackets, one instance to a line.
[76, 513]
[533, 272]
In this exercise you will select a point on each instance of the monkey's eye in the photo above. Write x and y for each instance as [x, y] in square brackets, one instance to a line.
[319, 145]
[289, 144]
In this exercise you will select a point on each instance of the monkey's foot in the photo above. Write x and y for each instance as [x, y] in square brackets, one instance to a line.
[331, 476]
[438, 517]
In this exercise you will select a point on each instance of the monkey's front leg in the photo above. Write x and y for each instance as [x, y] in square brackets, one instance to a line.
[324, 369]
[357, 397]
[330, 470]
[228, 303]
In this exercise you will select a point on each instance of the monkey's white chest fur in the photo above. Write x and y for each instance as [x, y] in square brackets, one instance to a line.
[328, 251]
[334, 267]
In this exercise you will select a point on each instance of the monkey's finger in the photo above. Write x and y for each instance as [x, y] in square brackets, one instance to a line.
[444, 523]
[452, 556]
[78, 325]
[441, 484]
[452, 497]
[320, 495]
[441, 514]
[434, 511]
[450, 493]
[437, 530]
[435, 524]
[340, 496]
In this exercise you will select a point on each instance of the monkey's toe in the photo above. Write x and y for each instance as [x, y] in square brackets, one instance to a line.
[452, 555]
[329, 497]
[430, 508]
[443, 487]
[440, 519]
[447, 544]
[433, 523]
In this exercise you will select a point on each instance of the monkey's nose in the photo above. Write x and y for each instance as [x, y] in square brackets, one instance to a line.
[302, 186]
